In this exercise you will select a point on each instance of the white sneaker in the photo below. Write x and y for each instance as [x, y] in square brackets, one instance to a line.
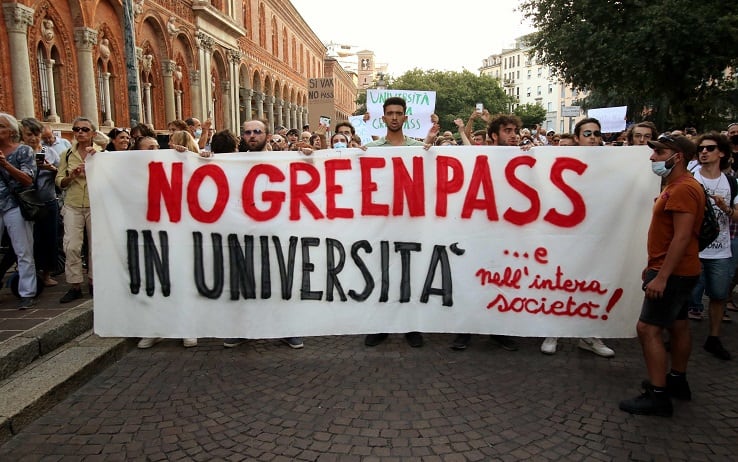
[148, 342]
[596, 346]
[189, 342]
[548, 346]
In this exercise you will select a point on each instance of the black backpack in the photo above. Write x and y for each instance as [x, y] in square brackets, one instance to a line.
[710, 227]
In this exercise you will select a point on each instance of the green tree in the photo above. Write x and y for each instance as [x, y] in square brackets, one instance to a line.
[531, 114]
[457, 93]
[667, 59]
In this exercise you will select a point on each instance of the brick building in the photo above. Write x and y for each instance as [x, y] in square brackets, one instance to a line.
[232, 59]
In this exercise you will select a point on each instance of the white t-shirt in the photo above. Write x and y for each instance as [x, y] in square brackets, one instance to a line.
[720, 247]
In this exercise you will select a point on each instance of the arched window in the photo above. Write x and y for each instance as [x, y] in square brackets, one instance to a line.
[262, 27]
[275, 38]
[43, 81]
[102, 97]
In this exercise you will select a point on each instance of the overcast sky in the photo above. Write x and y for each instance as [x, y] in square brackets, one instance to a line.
[411, 33]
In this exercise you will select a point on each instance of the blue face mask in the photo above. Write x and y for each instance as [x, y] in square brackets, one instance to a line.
[660, 168]
[340, 145]
[198, 132]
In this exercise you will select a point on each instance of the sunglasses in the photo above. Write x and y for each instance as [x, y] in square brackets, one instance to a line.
[255, 131]
[81, 129]
[666, 138]
[709, 147]
[588, 133]
[555, 140]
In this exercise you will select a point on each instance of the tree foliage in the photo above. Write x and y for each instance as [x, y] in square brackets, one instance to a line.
[531, 114]
[666, 59]
[457, 93]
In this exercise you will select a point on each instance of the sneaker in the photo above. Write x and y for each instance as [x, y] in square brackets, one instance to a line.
[649, 403]
[715, 346]
[71, 295]
[294, 342]
[189, 342]
[461, 341]
[233, 342]
[596, 346]
[548, 346]
[374, 339]
[694, 315]
[26, 302]
[50, 282]
[507, 343]
[730, 306]
[148, 342]
[414, 339]
[676, 385]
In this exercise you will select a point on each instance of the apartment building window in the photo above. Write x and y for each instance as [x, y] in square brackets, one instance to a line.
[527, 93]
[538, 91]
[550, 89]
[530, 73]
[540, 72]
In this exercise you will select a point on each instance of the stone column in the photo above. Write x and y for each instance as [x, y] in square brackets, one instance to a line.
[259, 98]
[167, 70]
[195, 94]
[53, 116]
[17, 19]
[270, 111]
[148, 117]
[278, 103]
[225, 87]
[293, 115]
[108, 107]
[85, 39]
[178, 104]
[299, 119]
[205, 46]
[248, 95]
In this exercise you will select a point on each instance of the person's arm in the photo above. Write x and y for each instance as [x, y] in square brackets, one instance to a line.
[430, 138]
[19, 175]
[320, 131]
[470, 124]
[683, 234]
[464, 139]
[205, 136]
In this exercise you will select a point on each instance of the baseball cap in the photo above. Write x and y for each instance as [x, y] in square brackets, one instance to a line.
[678, 143]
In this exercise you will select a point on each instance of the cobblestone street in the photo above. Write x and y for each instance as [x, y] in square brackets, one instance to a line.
[339, 400]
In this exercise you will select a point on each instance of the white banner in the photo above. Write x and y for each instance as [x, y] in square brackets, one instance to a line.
[549, 242]
[612, 119]
[420, 106]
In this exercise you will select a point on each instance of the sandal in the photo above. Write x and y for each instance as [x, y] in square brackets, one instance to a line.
[730, 306]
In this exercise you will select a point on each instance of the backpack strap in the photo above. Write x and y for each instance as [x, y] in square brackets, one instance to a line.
[733, 188]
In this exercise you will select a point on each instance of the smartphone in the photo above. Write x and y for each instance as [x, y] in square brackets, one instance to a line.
[325, 120]
[480, 107]
[40, 157]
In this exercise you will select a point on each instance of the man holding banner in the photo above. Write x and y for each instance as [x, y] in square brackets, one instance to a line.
[394, 117]
[672, 271]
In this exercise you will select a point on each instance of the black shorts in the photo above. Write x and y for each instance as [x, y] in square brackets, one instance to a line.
[673, 305]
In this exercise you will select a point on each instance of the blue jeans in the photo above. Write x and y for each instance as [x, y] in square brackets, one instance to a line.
[715, 280]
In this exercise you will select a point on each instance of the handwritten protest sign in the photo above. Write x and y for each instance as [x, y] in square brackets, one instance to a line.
[420, 106]
[549, 242]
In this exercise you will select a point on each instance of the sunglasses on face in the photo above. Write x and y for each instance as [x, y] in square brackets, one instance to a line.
[81, 129]
[255, 131]
[709, 147]
[588, 133]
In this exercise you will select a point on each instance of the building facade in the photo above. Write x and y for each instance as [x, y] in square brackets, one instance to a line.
[531, 82]
[231, 60]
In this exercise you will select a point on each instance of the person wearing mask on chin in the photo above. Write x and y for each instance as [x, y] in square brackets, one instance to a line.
[672, 270]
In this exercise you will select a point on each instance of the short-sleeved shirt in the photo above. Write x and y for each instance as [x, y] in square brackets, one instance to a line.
[383, 142]
[683, 195]
[24, 160]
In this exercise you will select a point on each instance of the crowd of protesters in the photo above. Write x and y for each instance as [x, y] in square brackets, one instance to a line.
[31, 155]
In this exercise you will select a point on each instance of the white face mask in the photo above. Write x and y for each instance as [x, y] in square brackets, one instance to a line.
[198, 132]
[660, 168]
[339, 145]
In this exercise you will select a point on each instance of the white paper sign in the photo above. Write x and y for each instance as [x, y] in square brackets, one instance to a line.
[548, 242]
[612, 119]
[420, 106]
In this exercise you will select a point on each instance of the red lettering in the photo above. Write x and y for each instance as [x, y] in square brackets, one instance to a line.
[299, 192]
[332, 189]
[532, 305]
[541, 255]
[368, 187]
[444, 185]
[412, 188]
[579, 209]
[508, 278]
[274, 198]
[161, 188]
[481, 179]
[216, 174]
[515, 217]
